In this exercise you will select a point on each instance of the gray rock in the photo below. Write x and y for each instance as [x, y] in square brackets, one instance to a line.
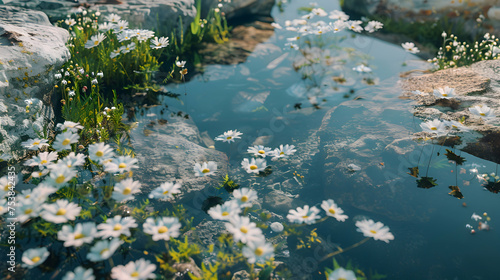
[240, 9]
[31, 50]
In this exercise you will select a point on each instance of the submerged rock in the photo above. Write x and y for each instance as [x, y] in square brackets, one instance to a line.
[31, 51]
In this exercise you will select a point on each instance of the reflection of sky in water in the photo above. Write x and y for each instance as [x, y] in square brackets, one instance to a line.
[431, 241]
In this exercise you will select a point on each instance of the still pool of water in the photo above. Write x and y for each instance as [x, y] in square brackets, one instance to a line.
[350, 123]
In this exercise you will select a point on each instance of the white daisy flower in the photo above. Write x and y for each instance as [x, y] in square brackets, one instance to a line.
[337, 26]
[205, 169]
[125, 190]
[243, 230]
[307, 215]
[163, 228]
[64, 140]
[342, 274]
[81, 233]
[373, 26]
[7, 184]
[333, 210]
[105, 27]
[283, 152]
[245, 196]
[455, 125]
[181, 64]
[376, 230]
[73, 160]
[3, 206]
[28, 208]
[103, 249]
[435, 126]
[137, 270]
[354, 25]
[70, 21]
[445, 92]
[95, 41]
[60, 175]
[125, 35]
[100, 152]
[229, 136]
[258, 252]
[127, 48]
[225, 211]
[259, 150]
[80, 273]
[112, 18]
[362, 69]
[61, 211]
[116, 226]
[40, 174]
[43, 160]
[482, 111]
[254, 165]
[34, 257]
[70, 126]
[338, 15]
[42, 192]
[144, 34]
[476, 217]
[35, 144]
[121, 164]
[120, 26]
[156, 43]
[165, 191]
[319, 12]
[410, 47]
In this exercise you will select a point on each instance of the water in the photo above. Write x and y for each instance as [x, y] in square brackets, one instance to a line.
[372, 128]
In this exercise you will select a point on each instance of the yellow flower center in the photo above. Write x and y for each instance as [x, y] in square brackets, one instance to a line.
[36, 143]
[79, 236]
[60, 179]
[99, 154]
[6, 188]
[28, 211]
[253, 167]
[445, 94]
[206, 170]
[134, 274]
[122, 165]
[165, 192]
[127, 191]
[225, 213]
[96, 43]
[244, 229]
[262, 152]
[434, 128]
[162, 229]
[259, 251]
[103, 251]
[244, 198]
[28, 196]
[331, 210]
[117, 227]
[372, 231]
[229, 137]
[43, 162]
[61, 212]
[282, 153]
[66, 142]
[482, 114]
[35, 259]
[305, 217]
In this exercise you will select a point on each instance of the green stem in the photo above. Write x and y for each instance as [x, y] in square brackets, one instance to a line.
[340, 250]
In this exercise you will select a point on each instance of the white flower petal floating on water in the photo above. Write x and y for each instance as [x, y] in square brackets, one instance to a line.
[445, 92]
[342, 274]
[333, 210]
[283, 152]
[454, 125]
[103, 249]
[338, 15]
[435, 126]
[307, 215]
[34, 257]
[254, 165]
[162, 228]
[243, 230]
[229, 136]
[205, 169]
[225, 211]
[476, 217]
[165, 191]
[355, 25]
[80, 273]
[362, 69]
[258, 252]
[353, 167]
[140, 269]
[277, 227]
[376, 230]
[482, 111]
[410, 47]
[373, 26]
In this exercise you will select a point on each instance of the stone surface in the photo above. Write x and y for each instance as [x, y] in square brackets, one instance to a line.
[31, 50]
[240, 10]
[474, 85]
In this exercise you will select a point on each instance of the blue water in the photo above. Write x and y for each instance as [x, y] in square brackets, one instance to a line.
[431, 239]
